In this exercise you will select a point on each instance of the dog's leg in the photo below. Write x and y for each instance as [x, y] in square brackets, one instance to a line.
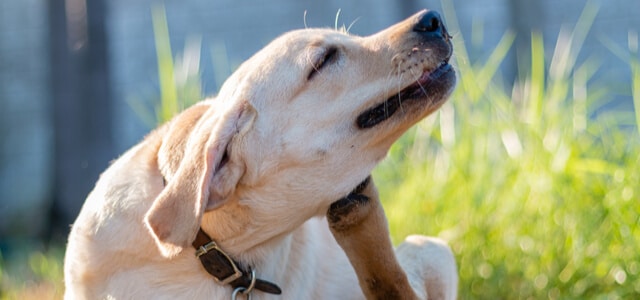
[429, 265]
[359, 225]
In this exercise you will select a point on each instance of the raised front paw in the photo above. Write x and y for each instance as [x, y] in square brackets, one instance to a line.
[350, 210]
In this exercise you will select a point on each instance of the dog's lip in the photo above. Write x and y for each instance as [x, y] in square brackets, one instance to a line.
[417, 90]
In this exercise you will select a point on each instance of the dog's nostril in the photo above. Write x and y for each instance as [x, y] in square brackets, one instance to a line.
[430, 22]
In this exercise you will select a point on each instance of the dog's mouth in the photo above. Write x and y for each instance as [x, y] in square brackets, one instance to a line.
[428, 86]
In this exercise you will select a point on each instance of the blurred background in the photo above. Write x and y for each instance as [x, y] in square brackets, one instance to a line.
[531, 171]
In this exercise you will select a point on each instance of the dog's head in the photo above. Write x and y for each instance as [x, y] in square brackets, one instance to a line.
[301, 123]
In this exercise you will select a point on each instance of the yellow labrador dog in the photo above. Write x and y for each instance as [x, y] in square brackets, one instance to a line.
[229, 198]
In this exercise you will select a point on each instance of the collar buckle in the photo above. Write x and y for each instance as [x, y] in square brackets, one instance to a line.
[225, 270]
[204, 249]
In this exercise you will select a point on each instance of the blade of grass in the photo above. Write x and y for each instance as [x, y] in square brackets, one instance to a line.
[635, 75]
[567, 47]
[461, 56]
[492, 64]
[168, 90]
[581, 77]
[220, 62]
[537, 79]
[566, 53]
[630, 56]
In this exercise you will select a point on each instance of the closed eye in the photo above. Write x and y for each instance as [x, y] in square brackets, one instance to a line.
[330, 55]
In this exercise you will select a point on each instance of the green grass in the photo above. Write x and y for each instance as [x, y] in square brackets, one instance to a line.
[179, 78]
[31, 272]
[534, 186]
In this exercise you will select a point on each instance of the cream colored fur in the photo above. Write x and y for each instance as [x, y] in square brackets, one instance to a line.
[292, 148]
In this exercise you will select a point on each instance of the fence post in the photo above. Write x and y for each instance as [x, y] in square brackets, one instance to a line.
[81, 99]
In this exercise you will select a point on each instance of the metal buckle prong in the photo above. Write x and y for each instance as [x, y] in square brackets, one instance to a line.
[204, 249]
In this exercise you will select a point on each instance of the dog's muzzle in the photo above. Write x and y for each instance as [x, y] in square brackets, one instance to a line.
[434, 81]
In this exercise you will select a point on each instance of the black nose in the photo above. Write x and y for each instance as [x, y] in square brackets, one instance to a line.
[431, 24]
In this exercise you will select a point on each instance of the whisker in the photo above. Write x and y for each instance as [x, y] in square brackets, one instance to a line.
[352, 23]
[399, 85]
[304, 19]
[417, 81]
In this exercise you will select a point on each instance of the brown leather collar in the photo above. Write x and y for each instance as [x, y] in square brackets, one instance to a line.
[224, 269]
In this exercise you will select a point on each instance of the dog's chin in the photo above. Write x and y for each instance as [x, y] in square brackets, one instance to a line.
[427, 93]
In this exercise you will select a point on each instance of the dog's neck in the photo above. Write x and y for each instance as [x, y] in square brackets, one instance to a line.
[227, 224]
[244, 233]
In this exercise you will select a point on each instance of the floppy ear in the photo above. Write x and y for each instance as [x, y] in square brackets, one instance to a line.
[206, 177]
